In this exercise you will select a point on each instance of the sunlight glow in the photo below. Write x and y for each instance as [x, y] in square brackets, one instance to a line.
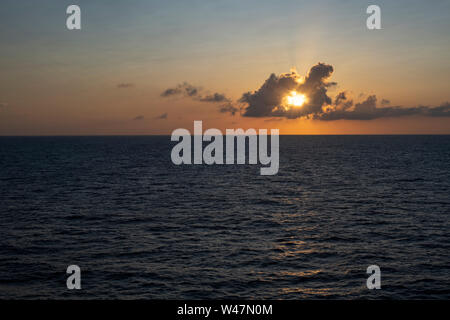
[296, 99]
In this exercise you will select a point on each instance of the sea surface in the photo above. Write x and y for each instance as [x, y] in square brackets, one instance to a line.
[141, 227]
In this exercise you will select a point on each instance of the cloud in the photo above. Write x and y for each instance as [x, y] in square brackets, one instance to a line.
[229, 108]
[367, 110]
[162, 117]
[139, 118]
[273, 120]
[216, 97]
[184, 89]
[125, 85]
[269, 101]
[196, 93]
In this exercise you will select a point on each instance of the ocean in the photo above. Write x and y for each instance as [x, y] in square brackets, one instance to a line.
[140, 227]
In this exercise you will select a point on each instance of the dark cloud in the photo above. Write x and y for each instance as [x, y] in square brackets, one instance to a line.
[125, 85]
[184, 89]
[216, 97]
[367, 110]
[270, 100]
[187, 90]
[162, 117]
[170, 92]
[196, 93]
[273, 120]
[139, 118]
[342, 96]
[229, 108]
[267, 100]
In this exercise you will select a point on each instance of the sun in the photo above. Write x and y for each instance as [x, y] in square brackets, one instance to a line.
[296, 99]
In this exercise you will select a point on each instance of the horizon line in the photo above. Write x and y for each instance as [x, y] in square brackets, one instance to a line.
[168, 135]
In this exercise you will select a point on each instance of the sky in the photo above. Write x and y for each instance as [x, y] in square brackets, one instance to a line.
[111, 76]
